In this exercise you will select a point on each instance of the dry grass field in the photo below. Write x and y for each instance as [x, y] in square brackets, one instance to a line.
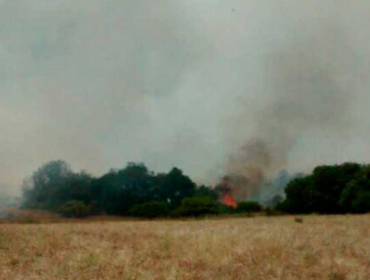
[334, 247]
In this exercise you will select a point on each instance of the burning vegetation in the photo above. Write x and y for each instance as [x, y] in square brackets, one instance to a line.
[227, 193]
[247, 172]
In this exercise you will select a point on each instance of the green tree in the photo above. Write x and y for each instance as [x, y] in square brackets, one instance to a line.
[299, 196]
[119, 190]
[151, 209]
[74, 209]
[249, 207]
[43, 188]
[324, 191]
[174, 187]
[355, 198]
[196, 207]
[204, 191]
[329, 183]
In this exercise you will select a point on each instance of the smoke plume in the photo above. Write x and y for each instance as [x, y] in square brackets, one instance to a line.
[237, 88]
[310, 94]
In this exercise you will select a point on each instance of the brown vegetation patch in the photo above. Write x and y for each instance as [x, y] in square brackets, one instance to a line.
[333, 247]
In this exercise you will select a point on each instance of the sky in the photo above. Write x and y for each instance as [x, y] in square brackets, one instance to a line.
[182, 83]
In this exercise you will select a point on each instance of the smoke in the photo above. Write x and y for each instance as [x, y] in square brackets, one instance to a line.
[6, 202]
[311, 93]
[243, 88]
[273, 189]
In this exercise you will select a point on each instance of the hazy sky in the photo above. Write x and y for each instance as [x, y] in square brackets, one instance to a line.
[181, 83]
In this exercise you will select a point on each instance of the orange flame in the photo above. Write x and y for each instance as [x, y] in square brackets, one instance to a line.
[229, 200]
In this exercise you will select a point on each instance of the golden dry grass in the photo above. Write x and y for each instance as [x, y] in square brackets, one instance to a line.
[335, 248]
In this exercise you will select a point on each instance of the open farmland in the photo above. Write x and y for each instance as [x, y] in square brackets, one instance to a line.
[322, 247]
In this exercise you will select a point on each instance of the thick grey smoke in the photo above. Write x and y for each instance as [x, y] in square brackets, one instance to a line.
[311, 93]
[192, 83]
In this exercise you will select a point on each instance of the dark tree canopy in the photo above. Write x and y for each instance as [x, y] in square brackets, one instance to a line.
[196, 207]
[115, 193]
[135, 190]
[44, 188]
[249, 207]
[330, 189]
[355, 197]
[175, 186]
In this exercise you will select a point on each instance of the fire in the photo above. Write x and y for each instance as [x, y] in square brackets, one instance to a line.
[229, 200]
[227, 195]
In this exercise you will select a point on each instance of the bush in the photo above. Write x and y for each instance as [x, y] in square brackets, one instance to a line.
[225, 210]
[355, 198]
[249, 207]
[196, 207]
[150, 210]
[75, 209]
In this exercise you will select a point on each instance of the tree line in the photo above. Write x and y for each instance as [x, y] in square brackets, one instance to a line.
[137, 191]
[131, 191]
[330, 189]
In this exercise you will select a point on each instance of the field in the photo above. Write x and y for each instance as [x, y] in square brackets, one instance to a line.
[322, 247]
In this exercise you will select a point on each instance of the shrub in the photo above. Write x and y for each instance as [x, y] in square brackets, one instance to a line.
[249, 207]
[225, 210]
[75, 209]
[151, 209]
[196, 207]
